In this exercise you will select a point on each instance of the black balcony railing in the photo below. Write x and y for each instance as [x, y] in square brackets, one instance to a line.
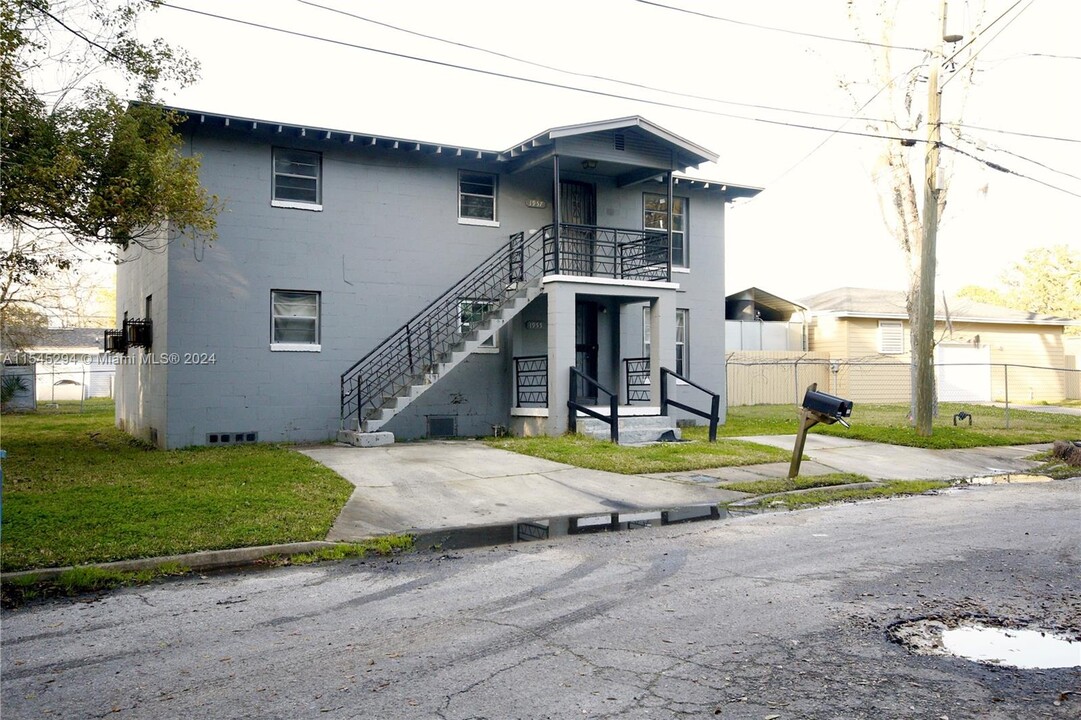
[592, 251]
[405, 356]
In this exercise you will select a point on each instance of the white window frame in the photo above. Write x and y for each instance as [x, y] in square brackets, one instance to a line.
[891, 337]
[493, 221]
[491, 345]
[279, 346]
[679, 223]
[683, 318]
[295, 204]
[683, 359]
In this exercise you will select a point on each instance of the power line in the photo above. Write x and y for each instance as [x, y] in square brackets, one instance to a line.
[600, 93]
[980, 34]
[534, 81]
[1014, 132]
[575, 73]
[782, 30]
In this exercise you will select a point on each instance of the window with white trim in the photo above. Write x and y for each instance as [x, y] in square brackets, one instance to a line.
[477, 197]
[655, 217]
[891, 337]
[683, 363]
[470, 314]
[294, 320]
[682, 324]
[297, 178]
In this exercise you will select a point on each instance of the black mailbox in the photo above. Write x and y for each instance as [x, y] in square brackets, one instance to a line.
[826, 404]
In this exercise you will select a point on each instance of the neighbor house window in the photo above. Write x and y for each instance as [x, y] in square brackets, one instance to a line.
[682, 324]
[477, 197]
[298, 178]
[470, 314]
[891, 338]
[655, 217]
[294, 320]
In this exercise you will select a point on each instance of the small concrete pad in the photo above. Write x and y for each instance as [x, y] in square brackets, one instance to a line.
[409, 487]
[365, 439]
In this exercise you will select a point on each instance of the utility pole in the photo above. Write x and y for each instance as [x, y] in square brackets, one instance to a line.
[925, 303]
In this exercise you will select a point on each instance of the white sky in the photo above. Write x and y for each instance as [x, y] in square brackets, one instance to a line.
[816, 226]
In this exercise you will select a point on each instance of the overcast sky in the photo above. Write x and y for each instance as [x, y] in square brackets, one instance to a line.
[758, 73]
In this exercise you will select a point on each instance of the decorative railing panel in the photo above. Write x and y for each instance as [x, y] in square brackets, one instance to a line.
[412, 351]
[531, 381]
[636, 372]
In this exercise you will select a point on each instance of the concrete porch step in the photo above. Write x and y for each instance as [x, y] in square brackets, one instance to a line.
[633, 430]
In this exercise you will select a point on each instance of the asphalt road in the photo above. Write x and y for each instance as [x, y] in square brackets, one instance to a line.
[767, 617]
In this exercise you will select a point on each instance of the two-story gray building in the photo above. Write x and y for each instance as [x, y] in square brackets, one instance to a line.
[366, 284]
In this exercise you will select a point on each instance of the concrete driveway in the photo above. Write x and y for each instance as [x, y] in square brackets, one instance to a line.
[459, 483]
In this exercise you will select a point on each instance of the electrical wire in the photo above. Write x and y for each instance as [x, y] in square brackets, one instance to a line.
[782, 30]
[575, 73]
[508, 76]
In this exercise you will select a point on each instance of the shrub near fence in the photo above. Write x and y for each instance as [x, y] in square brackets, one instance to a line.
[783, 379]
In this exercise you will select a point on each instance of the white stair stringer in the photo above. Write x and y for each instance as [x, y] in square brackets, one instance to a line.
[517, 302]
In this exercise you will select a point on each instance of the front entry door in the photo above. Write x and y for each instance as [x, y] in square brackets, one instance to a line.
[585, 349]
[578, 206]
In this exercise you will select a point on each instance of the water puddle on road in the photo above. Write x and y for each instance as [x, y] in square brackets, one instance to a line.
[1026, 648]
[548, 528]
[1006, 479]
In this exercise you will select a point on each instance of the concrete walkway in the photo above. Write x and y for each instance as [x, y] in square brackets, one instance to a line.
[410, 487]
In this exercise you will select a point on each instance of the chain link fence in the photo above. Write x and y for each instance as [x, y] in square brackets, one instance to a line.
[66, 388]
[783, 381]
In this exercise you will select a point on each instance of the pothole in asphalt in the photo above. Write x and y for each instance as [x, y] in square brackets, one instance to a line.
[990, 641]
[1006, 479]
[548, 528]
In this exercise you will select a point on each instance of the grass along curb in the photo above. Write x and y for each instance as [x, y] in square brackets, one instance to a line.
[24, 585]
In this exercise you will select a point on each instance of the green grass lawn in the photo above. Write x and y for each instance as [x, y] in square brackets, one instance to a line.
[586, 452]
[889, 424]
[76, 490]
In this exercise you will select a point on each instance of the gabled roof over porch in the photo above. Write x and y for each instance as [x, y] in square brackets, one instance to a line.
[632, 149]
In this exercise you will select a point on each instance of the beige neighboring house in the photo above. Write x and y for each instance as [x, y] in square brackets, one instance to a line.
[983, 352]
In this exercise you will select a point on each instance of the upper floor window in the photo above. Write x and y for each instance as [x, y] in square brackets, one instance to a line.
[655, 217]
[298, 179]
[891, 337]
[477, 198]
[294, 320]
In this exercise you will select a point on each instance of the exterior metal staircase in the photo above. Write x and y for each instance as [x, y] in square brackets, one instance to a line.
[435, 341]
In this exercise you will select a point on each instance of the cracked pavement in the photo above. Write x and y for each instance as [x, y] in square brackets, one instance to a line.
[775, 616]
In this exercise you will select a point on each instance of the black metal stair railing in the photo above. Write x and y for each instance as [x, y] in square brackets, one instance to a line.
[417, 347]
[414, 349]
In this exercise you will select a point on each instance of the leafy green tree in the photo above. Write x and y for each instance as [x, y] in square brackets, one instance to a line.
[76, 158]
[1046, 281]
[980, 294]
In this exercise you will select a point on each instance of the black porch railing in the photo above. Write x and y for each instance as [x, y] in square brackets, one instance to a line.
[714, 414]
[636, 373]
[404, 357]
[608, 252]
[531, 380]
[612, 418]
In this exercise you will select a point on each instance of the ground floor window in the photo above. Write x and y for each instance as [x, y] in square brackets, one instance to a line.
[470, 314]
[294, 320]
[682, 325]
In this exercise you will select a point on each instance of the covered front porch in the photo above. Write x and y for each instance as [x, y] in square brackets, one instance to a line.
[594, 347]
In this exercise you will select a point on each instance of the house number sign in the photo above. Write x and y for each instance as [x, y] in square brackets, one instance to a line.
[536, 203]
[534, 324]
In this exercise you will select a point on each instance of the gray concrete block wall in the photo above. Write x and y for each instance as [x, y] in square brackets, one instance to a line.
[386, 243]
